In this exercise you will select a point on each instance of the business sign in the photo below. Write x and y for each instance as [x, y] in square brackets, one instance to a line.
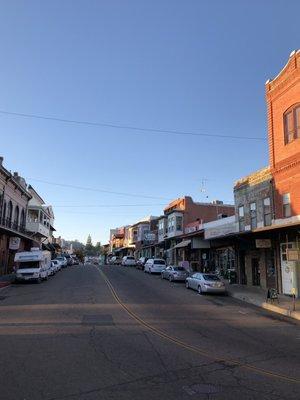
[194, 228]
[219, 231]
[14, 243]
[293, 255]
[263, 243]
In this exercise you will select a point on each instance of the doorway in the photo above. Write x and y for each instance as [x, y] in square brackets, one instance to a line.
[255, 272]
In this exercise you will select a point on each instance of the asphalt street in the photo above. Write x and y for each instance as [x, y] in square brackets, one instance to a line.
[115, 332]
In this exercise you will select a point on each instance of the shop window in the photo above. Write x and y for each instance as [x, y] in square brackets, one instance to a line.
[291, 120]
[267, 211]
[241, 218]
[253, 215]
[286, 201]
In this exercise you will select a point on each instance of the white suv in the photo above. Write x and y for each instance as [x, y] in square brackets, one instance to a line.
[128, 261]
[155, 265]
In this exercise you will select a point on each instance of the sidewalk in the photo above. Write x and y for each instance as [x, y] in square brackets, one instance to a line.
[6, 280]
[258, 297]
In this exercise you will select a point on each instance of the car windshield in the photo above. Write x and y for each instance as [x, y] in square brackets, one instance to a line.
[211, 277]
[159, 262]
[29, 264]
[130, 258]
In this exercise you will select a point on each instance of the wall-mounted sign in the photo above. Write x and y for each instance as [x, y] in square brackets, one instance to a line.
[221, 230]
[293, 255]
[14, 243]
[263, 243]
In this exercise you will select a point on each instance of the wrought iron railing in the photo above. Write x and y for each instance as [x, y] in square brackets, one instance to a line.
[13, 225]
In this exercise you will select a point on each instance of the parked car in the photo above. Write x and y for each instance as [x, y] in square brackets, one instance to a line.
[141, 262]
[111, 259]
[174, 273]
[205, 283]
[53, 269]
[63, 261]
[128, 261]
[75, 261]
[56, 265]
[155, 265]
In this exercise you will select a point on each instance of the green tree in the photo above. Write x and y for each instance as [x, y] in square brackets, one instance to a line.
[89, 241]
[89, 248]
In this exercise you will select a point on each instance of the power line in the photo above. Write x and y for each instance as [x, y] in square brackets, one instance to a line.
[97, 190]
[106, 205]
[130, 127]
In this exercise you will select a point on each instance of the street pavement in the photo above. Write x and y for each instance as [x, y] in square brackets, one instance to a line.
[115, 332]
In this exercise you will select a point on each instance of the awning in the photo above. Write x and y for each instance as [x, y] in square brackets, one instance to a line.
[184, 243]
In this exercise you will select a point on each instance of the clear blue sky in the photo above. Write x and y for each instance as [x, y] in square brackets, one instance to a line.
[189, 65]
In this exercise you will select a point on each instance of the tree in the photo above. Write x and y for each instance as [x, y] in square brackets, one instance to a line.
[98, 248]
[89, 248]
[89, 241]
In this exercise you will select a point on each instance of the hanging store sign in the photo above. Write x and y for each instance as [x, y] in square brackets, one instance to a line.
[293, 255]
[14, 243]
[263, 243]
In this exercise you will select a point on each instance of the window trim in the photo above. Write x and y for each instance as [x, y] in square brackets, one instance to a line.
[253, 215]
[264, 210]
[286, 205]
[296, 129]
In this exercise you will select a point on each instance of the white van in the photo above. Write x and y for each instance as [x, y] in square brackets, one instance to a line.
[34, 265]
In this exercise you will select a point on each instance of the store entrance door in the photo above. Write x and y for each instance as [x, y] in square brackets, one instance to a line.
[255, 272]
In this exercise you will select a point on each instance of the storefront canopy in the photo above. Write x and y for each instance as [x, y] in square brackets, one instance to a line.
[184, 243]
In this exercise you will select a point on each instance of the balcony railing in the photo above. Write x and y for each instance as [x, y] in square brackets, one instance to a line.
[12, 225]
[37, 227]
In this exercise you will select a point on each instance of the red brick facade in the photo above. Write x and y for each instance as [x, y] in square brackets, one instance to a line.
[204, 212]
[282, 93]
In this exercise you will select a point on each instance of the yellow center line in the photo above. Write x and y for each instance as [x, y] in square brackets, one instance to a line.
[189, 347]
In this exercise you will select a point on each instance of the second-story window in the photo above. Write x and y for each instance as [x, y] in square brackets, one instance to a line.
[253, 215]
[286, 202]
[179, 223]
[267, 211]
[291, 120]
[241, 218]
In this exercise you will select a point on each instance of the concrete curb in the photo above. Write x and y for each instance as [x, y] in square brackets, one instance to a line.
[4, 284]
[266, 306]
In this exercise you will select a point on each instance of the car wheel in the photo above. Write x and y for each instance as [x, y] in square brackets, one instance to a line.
[187, 284]
[170, 278]
[199, 289]
[39, 280]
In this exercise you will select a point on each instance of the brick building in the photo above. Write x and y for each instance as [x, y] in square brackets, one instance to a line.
[268, 201]
[179, 234]
[283, 102]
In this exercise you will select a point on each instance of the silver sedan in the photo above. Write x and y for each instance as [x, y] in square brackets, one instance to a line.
[174, 273]
[205, 283]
